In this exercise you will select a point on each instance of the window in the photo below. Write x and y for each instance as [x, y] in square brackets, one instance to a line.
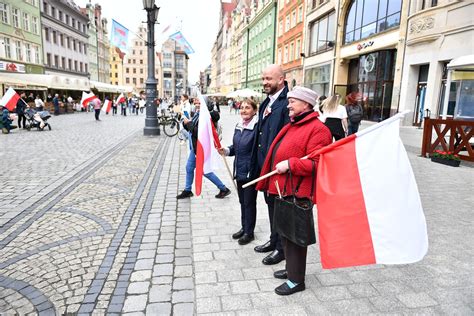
[6, 43]
[68, 42]
[134, 70]
[285, 57]
[37, 54]
[75, 65]
[293, 18]
[69, 63]
[280, 28]
[322, 34]
[134, 80]
[298, 49]
[56, 61]
[368, 17]
[34, 25]
[53, 11]
[127, 70]
[287, 24]
[67, 19]
[45, 7]
[141, 80]
[61, 39]
[4, 13]
[141, 71]
[127, 80]
[81, 67]
[19, 51]
[46, 34]
[60, 13]
[300, 14]
[48, 59]
[85, 49]
[80, 47]
[63, 62]
[28, 52]
[86, 67]
[16, 17]
[141, 61]
[55, 40]
[318, 79]
[73, 23]
[74, 45]
[292, 51]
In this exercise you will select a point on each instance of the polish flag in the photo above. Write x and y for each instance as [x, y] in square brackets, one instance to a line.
[86, 98]
[107, 106]
[207, 156]
[120, 99]
[369, 208]
[9, 99]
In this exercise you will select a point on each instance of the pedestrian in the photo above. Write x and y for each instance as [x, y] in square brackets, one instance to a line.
[142, 104]
[114, 107]
[131, 105]
[6, 120]
[272, 116]
[31, 98]
[70, 103]
[192, 127]
[217, 106]
[49, 98]
[186, 106]
[355, 112]
[20, 110]
[303, 135]
[97, 106]
[335, 117]
[123, 108]
[39, 104]
[241, 148]
[230, 103]
[236, 107]
[56, 104]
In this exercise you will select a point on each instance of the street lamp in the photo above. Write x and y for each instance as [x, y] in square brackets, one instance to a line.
[151, 120]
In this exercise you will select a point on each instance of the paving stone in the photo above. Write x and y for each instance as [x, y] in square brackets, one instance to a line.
[235, 302]
[135, 303]
[183, 309]
[183, 284]
[160, 293]
[416, 300]
[208, 304]
[163, 269]
[158, 309]
[138, 288]
[183, 296]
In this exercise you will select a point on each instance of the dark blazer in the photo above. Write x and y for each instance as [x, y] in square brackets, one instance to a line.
[268, 128]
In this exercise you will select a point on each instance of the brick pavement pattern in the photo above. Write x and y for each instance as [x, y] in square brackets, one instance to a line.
[89, 224]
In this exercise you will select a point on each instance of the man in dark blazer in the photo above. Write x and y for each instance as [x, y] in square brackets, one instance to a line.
[272, 116]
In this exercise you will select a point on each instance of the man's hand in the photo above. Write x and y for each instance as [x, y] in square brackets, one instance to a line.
[186, 121]
[282, 166]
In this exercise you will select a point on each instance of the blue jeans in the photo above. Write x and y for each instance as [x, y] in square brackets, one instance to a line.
[191, 165]
[352, 128]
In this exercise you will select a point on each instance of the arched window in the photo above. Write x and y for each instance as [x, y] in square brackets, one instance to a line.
[368, 17]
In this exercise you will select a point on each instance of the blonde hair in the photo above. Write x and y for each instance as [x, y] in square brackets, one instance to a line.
[330, 104]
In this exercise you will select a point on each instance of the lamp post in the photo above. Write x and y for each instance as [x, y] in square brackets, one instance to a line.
[151, 120]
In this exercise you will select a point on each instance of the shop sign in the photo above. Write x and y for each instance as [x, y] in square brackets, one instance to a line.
[365, 45]
[11, 67]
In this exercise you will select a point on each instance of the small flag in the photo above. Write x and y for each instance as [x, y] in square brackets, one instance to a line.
[119, 36]
[120, 99]
[369, 208]
[107, 106]
[10, 99]
[179, 38]
[86, 98]
[207, 156]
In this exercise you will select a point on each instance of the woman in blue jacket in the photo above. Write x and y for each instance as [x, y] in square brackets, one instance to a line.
[241, 148]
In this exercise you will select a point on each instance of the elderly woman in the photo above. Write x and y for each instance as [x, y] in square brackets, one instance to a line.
[304, 134]
[241, 148]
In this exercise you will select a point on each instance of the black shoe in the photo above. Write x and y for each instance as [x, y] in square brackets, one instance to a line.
[238, 234]
[284, 289]
[223, 193]
[266, 247]
[245, 239]
[274, 258]
[184, 194]
[281, 274]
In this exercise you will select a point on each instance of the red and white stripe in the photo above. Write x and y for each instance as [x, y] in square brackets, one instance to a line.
[207, 156]
[87, 97]
[120, 99]
[107, 106]
[369, 208]
[10, 99]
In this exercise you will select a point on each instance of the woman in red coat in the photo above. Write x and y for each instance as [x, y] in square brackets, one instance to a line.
[304, 134]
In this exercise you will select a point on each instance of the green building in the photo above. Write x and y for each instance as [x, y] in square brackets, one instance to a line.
[20, 37]
[259, 44]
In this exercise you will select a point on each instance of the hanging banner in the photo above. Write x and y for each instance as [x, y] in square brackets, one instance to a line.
[179, 38]
[119, 36]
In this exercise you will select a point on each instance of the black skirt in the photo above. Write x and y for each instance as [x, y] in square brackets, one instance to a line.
[335, 126]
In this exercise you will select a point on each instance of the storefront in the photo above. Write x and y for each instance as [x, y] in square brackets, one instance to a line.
[318, 79]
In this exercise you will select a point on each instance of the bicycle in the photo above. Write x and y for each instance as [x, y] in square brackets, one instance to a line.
[170, 125]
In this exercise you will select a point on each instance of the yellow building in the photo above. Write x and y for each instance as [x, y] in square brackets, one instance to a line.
[116, 67]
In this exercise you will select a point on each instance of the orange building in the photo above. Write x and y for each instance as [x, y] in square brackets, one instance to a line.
[290, 39]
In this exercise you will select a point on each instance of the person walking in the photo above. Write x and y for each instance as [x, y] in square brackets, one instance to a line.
[114, 106]
[192, 127]
[56, 104]
[355, 112]
[20, 110]
[141, 104]
[335, 117]
[272, 116]
[97, 106]
[302, 136]
[241, 148]
[39, 104]
[123, 107]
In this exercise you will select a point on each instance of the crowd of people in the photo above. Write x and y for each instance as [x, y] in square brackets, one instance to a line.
[287, 126]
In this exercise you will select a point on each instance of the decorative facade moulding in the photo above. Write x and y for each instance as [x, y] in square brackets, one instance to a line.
[421, 24]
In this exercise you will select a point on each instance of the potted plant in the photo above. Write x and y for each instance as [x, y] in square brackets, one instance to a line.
[446, 157]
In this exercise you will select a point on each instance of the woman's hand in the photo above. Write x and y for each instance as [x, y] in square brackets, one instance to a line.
[185, 121]
[282, 166]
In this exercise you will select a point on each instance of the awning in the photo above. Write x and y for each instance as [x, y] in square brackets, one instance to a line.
[106, 87]
[463, 62]
[60, 82]
[20, 82]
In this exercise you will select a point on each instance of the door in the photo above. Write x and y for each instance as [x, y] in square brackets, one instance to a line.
[419, 104]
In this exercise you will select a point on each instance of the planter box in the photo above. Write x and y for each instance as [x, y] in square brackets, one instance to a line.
[452, 163]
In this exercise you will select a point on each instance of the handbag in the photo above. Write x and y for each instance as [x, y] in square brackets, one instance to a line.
[293, 216]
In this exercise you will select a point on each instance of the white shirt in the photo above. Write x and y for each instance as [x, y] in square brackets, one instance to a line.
[273, 98]
[39, 103]
[340, 113]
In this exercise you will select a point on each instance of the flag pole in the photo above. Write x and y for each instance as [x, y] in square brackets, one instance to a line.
[228, 170]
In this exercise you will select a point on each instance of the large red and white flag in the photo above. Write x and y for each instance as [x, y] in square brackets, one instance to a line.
[120, 99]
[207, 156]
[369, 208]
[107, 106]
[9, 99]
[86, 98]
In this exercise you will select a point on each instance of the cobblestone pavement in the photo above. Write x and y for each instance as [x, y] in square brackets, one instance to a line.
[90, 224]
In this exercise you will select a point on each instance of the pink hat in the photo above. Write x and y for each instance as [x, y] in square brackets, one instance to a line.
[303, 94]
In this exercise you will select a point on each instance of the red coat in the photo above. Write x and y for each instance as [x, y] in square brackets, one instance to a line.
[299, 139]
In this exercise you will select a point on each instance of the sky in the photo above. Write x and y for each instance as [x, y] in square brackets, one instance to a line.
[198, 20]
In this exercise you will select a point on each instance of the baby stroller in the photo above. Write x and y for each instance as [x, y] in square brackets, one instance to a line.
[37, 119]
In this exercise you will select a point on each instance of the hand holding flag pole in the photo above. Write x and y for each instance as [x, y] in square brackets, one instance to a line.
[217, 144]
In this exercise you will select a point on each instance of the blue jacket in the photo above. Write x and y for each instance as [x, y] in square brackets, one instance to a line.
[268, 128]
[241, 148]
